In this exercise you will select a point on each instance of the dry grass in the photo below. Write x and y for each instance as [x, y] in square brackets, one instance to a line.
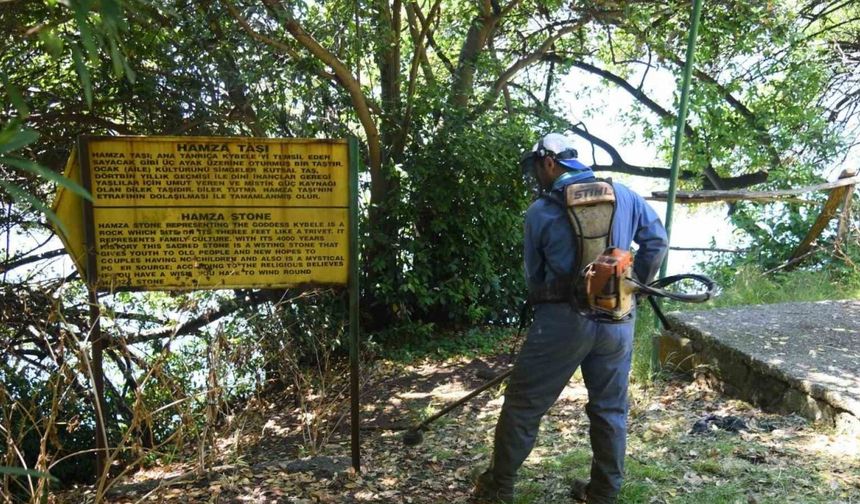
[779, 459]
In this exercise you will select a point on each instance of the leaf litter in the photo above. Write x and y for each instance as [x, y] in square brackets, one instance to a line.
[776, 459]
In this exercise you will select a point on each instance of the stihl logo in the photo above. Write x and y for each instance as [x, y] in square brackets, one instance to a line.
[593, 192]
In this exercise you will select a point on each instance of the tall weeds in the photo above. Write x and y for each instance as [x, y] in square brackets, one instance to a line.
[167, 398]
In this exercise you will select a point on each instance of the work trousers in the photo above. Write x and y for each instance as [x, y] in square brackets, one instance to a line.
[559, 341]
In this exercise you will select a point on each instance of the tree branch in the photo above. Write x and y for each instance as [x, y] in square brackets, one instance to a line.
[835, 199]
[273, 43]
[347, 81]
[709, 196]
[236, 87]
[719, 182]
[618, 164]
[636, 93]
[419, 55]
[520, 64]
[709, 249]
[226, 308]
[432, 41]
[508, 8]
[761, 133]
[19, 261]
[388, 61]
[476, 38]
[359, 101]
[82, 118]
[419, 35]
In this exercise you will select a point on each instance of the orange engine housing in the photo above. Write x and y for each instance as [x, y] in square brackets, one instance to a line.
[605, 284]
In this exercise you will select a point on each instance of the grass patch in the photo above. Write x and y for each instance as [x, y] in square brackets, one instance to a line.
[643, 343]
[528, 492]
[654, 471]
[717, 469]
[709, 467]
[442, 454]
[574, 464]
[423, 343]
[751, 287]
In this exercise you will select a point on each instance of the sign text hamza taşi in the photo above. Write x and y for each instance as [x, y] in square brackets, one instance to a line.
[180, 213]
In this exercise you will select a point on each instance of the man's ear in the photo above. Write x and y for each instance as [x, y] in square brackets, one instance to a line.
[548, 163]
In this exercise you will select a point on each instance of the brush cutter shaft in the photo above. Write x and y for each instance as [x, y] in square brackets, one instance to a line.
[495, 381]
[465, 399]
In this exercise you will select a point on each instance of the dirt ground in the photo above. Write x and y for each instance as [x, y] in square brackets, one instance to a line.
[772, 459]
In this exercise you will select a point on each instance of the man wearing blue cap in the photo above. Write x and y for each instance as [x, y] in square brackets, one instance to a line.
[564, 335]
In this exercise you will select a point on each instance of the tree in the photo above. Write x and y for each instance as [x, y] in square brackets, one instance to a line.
[771, 95]
[758, 112]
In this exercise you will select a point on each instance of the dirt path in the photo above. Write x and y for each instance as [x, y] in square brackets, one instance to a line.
[775, 459]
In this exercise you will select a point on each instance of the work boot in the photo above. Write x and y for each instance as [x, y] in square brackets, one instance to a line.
[487, 491]
[579, 490]
[579, 493]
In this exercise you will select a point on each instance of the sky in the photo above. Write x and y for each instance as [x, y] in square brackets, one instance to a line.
[692, 226]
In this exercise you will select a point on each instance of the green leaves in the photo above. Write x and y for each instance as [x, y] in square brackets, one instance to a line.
[15, 96]
[81, 9]
[22, 196]
[53, 44]
[84, 75]
[101, 38]
[47, 174]
[19, 471]
[14, 138]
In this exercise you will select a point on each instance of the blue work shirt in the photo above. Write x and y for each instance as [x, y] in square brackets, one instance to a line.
[549, 247]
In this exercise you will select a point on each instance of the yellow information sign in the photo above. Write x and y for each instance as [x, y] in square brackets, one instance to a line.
[210, 212]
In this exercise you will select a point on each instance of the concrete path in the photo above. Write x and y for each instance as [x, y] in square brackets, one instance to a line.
[790, 357]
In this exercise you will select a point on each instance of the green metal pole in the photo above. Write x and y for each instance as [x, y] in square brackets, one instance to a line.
[353, 304]
[676, 151]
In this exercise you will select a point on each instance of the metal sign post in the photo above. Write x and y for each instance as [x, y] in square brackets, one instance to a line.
[353, 305]
[676, 153]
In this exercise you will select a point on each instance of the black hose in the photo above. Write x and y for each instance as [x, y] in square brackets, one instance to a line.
[655, 288]
[659, 313]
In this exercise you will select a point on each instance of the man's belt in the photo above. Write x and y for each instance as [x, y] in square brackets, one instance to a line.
[556, 291]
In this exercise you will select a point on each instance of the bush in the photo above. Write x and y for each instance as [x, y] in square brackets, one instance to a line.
[459, 239]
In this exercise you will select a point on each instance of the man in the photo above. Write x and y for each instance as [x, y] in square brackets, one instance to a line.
[564, 336]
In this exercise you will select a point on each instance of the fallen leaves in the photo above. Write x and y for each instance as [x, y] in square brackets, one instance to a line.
[665, 463]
